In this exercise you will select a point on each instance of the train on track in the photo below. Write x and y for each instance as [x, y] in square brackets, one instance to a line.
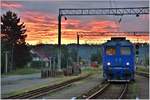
[118, 60]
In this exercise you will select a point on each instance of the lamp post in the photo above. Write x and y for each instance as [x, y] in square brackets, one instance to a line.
[59, 41]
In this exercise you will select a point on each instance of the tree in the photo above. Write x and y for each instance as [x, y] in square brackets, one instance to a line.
[21, 55]
[13, 39]
[73, 55]
[94, 57]
[97, 57]
[68, 56]
[64, 57]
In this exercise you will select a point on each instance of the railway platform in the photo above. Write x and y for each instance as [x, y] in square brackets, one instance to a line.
[11, 85]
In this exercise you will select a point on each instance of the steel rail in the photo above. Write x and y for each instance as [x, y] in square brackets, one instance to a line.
[41, 93]
[124, 90]
[100, 91]
[105, 88]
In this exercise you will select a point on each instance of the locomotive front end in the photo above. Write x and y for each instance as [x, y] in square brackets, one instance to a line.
[118, 61]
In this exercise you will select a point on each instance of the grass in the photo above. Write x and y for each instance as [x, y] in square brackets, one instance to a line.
[27, 70]
[91, 70]
[23, 71]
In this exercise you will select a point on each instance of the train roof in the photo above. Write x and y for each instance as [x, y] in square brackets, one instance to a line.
[117, 40]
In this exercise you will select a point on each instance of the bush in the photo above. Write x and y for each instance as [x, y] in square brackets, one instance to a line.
[38, 64]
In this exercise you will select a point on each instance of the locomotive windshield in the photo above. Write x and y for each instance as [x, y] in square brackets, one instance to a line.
[125, 51]
[110, 51]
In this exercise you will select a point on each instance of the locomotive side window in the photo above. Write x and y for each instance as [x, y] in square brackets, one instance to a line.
[125, 51]
[110, 51]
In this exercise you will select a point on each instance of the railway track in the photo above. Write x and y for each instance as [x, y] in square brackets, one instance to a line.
[107, 91]
[45, 90]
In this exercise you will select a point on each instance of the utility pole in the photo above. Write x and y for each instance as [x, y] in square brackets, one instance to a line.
[78, 48]
[50, 61]
[145, 55]
[54, 63]
[6, 62]
[59, 43]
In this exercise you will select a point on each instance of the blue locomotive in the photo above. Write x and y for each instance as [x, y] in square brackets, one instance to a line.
[118, 60]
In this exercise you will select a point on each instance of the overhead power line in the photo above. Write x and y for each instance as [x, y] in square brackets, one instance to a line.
[103, 11]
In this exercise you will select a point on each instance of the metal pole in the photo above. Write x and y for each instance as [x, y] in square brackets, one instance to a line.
[77, 48]
[54, 63]
[67, 63]
[145, 55]
[6, 62]
[12, 57]
[59, 43]
[50, 63]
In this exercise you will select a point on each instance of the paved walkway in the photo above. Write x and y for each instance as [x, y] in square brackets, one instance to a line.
[20, 77]
[22, 83]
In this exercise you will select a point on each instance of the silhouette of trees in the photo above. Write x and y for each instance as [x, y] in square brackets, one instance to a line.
[13, 39]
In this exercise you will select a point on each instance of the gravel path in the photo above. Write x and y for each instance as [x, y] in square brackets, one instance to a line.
[76, 89]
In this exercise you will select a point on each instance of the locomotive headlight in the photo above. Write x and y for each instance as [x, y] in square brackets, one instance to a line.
[127, 63]
[108, 63]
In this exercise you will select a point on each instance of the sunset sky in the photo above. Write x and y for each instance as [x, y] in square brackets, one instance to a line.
[40, 18]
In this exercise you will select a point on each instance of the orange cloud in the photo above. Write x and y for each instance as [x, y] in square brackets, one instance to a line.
[40, 26]
[12, 5]
[43, 27]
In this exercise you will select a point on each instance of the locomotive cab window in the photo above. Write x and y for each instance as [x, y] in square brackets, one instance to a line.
[125, 50]
[110, 51]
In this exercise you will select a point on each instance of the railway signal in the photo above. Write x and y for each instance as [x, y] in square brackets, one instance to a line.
[137, 49]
